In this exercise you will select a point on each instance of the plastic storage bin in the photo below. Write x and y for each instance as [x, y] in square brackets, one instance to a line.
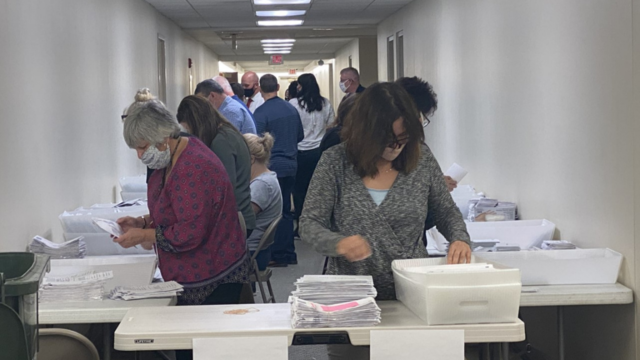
[80, 220]
[22, 274]
[130, 270]
[561, 267]
[523, 233]
[134, 183]
[101, 244]
[458, 298]
[128, 196]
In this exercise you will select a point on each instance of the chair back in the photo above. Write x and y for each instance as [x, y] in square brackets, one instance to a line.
[13, 340]
[63, 344]
[243, 224]
[267, 238]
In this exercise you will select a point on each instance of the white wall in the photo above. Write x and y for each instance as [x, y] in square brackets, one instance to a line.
[68, 69]
[536, 100]
[342, 61]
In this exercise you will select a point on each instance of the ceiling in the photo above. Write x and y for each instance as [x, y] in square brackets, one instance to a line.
[328, 26]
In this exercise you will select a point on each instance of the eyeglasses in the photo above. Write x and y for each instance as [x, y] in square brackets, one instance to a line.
[425, 121]
[398, 143]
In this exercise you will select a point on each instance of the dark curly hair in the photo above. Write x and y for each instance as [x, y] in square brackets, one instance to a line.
[422, 94]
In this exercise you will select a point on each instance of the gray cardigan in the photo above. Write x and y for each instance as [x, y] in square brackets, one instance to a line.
[338, 205]
[232, 150]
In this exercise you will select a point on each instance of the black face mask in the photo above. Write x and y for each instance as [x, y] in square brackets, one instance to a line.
[248, 92]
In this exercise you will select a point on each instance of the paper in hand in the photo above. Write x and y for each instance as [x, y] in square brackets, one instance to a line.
[109, 226]
[456, 172]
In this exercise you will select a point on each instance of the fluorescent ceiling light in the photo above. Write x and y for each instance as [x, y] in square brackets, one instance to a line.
[277, 45]
[283, 49]
[278, 52]
[280, 22]
[281, 2]
[277, 41]
[280, 13]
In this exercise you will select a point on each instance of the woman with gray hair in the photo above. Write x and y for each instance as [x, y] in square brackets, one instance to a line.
[193, 222]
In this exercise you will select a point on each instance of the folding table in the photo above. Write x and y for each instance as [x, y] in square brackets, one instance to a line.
[144, 329]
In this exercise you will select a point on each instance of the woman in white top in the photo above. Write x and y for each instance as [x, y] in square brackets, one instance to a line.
[316, 114]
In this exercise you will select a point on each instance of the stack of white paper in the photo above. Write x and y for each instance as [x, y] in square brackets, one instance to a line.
[334, 289]
[80, 287]
[156, 290]
[72, 249]
[359, 313]
[557, 245]
[334, 301]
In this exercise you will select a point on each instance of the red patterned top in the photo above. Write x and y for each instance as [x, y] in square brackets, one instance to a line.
[199, 238]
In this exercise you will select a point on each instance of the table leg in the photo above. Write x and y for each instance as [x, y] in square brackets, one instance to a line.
[505, 351]
[106, 339]
[560, 333]
[486, 353]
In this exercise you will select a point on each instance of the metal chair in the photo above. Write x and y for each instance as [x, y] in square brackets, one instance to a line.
[243, 224]
[265, 276]
[13, 341]
[63, 344]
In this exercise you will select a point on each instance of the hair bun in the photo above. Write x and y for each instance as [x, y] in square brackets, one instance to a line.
[143, 95]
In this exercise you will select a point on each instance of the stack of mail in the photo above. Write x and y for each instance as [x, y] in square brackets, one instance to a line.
[156, 290]
[358, 313]
[80, 287]
[334, 289]
[334, 301]
[557, 245]
[72, 249]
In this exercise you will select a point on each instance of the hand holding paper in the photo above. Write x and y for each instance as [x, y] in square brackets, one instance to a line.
[456, 172]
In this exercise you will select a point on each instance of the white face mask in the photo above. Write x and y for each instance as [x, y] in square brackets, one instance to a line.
[343, 86]
[156, 159]
[390, 154]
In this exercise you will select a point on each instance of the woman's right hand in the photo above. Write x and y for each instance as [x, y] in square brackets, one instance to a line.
[354, 248]
[127, 223]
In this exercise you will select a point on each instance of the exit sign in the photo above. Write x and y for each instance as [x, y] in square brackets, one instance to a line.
[276, 60]
[292, 71]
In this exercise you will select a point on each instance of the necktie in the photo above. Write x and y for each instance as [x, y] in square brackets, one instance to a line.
[249, 102]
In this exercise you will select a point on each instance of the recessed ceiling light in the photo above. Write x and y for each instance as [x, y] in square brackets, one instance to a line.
[280, 22]
[277, 41]
[280, 13]
[281, 2]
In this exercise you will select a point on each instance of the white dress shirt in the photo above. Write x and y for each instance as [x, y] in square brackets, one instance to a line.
[255, 103]
[314, 124]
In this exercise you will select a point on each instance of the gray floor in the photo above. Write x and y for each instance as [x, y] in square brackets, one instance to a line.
[309, 262]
